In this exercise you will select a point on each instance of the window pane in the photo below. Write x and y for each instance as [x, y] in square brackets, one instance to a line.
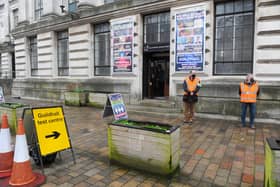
[229, 7]
[248, 5]
[228, 44]
[219, 56]
[157, 28]
[238, 31]
[220, 8]
[62, 52]
[102, 49]
[238, 19]
[164, 33]
[228, 55]
[151, 33]
[234, 37]
[237, 55]
[220, 21]
[33, 55]
[219, 33]
[248, 19]
[228, 20]
[237, 68]
[247, 55]
[62, 35]
[103, 27]
[228, 34]
[248, 31]
[238, 6]
[72, 7]
[238, 43]
[102, 71]
[63, 71]
[219, 45]
[247, 44]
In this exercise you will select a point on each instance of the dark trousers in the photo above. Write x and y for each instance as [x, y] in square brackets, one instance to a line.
[189, 110]
[252, 109]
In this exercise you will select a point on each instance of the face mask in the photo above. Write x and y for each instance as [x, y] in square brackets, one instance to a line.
[252, 80]
[193, 76]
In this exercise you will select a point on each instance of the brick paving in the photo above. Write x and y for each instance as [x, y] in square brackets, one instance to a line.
[213, 153]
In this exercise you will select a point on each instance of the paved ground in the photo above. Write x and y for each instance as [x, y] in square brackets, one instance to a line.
[213, 153]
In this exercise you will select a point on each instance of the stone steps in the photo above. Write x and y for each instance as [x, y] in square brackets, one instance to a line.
[155, 107]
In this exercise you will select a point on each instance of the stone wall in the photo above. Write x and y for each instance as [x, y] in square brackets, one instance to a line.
[53, 90]
[221, 97]
[6, 84]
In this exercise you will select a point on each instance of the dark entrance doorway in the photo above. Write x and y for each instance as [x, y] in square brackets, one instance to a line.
[156, 75]
[156, 55]
[13, 65]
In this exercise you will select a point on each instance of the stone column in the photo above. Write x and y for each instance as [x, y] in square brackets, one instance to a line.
[50, 8]
[23, 12]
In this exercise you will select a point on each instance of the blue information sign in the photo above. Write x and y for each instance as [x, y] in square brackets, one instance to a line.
[190, 29]
[116, 106]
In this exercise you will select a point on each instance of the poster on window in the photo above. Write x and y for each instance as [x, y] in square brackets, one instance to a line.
[190, 30]
[122, 45]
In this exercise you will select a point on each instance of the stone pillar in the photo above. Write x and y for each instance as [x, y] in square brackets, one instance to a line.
[51, 8]
[4, 23]
[23, 12]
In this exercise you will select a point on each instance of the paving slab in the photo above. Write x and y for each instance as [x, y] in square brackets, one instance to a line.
[213, 153]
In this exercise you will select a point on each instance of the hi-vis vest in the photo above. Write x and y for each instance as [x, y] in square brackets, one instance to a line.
[248, 93]
[192, 84]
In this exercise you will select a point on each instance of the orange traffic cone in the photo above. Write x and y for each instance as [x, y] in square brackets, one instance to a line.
[6, 152]
[22, 174]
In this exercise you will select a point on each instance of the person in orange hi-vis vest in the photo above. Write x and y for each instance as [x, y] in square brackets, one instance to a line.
[191, 87]
[248, 91]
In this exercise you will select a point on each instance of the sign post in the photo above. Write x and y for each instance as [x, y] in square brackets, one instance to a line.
[51, 130]
[115, 106]
[190, 39]
[122, 35]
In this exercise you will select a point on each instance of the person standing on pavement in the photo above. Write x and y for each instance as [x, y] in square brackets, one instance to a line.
[248, 91]
[191, 87]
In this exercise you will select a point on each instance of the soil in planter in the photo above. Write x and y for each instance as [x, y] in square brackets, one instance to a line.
[143, 125]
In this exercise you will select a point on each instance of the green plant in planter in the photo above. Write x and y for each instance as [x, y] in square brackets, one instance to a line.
[144, 125]
[78, 90]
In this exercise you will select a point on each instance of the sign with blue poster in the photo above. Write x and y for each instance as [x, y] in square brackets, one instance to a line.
[122, 32]
[190, 40]
[115, 106]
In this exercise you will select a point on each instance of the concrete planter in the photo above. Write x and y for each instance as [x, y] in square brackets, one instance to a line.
[272, 162]
[75, 98]
[97, 100]
[14, 112]
[152, 150]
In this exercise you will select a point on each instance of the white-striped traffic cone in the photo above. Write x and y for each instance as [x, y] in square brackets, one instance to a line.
[6, 152]
[22, 171]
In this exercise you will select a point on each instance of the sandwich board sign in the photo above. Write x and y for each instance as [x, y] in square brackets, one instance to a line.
[115, 106]
[51, 129]
[2, 99]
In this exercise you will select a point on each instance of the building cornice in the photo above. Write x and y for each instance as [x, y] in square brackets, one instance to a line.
[100, 14]
[6, 47]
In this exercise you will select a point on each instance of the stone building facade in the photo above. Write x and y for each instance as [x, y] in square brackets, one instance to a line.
[144, 49]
